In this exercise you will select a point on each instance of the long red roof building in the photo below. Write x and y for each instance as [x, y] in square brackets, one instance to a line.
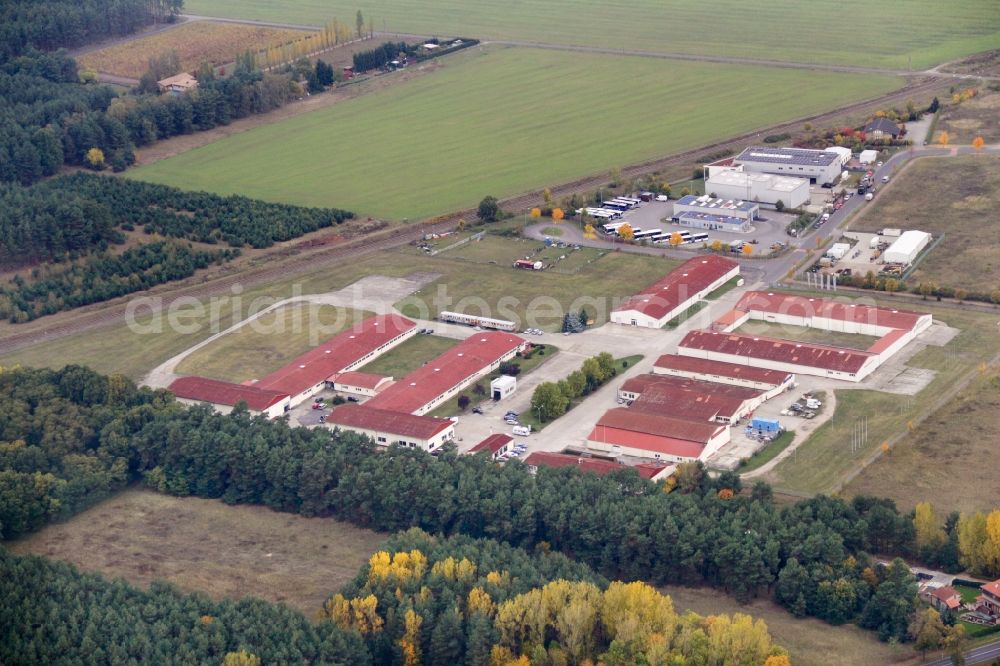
[720, 370]
[676, 288]
[657, 434]
[751, 348]
[218, 392]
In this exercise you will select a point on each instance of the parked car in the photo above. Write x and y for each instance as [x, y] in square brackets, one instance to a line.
[319, 405]
[477, 410]
[662, 197]
[351, 398]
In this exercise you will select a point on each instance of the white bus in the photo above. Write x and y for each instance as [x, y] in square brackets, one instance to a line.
[611, 228]
[477, 320]
[633, 202]
[698, 238]
[617, 205]
[639, 235]
[604, 213]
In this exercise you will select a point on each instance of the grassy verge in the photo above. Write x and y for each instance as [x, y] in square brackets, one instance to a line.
[529, 418]
[552, 231]
[410, 355]
[724, 289]
[807, 334]
[480, 391]
[207, 546]
[768, 453]
[684, 316]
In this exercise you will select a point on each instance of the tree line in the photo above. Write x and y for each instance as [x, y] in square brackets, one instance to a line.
[551, 400]
[101, 433]
[103, 276]
[69, 216]
[51, 24]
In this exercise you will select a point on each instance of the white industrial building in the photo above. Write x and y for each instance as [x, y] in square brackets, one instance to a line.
[868, 156]
[503, 387]
[817, 165]
[905, 249]
[735, 207]
[845, 153]
[763, 187]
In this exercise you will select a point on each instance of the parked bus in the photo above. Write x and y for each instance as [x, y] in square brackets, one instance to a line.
[640, 235]
[611, 228]
[699, 238]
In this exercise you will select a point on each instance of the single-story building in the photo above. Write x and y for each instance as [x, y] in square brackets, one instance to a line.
[223, 396]
[497, 444]
[503, 387]
[386, 428]
[690, 398]
[684, 286]
[868, 156]
[176, 85]
[882, 129]
[905, 249]
[631, 433]
[735, 207]
[650, 471]
[361, 383]
[772, 382]
[766, 188]
[714, 222]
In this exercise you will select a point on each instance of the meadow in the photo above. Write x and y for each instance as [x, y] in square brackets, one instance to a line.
[850, 32]
[953, 197]
[195, 43]
[502, 121]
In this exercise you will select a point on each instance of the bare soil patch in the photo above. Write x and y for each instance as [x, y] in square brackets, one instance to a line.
[205, 545]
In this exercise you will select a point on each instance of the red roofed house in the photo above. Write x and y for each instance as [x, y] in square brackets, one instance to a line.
[651, 471]
[684, 286]
[772, 382]
[422, 432]
[497, 444]
[223, 396]
[309, 374]
[361, 383]
[428, 386]
[785, 355]
[690, 398]
[941, 597]
[989, 601]
[631, 433]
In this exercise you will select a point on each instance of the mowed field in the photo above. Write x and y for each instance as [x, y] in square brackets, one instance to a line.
[946, 459]
[807, 334]
[195, 43]
[955, 196]
[851, 32]
[810, 642]
[502, 121]
[208, 546]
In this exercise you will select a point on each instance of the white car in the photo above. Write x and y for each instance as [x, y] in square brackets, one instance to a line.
[662, 197]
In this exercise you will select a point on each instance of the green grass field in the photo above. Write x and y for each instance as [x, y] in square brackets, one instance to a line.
[807, 334]
[501, 121]
[847, 32]
[410, 355]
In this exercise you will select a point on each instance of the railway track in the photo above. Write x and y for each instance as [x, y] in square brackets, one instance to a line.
[307, 261]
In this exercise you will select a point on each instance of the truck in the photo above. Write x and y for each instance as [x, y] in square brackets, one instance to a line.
[521, 431]
[527, 264]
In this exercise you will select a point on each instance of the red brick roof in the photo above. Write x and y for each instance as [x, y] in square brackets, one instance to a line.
[426, 383]
[225, 393]
[493, 443]
[365, 380]
[593, 465]
[691, 277]
[801, 306]
[655, 424]
[381, 420]
[688, 398]
[722, 369]
[331, 357]
[774, 349]
[949, 596]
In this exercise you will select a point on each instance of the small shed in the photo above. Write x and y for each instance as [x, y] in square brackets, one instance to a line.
[502, 387]
[868, 156]
[765, 425]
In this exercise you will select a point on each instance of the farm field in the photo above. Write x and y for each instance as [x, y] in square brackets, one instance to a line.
[953, 196]
[807, 334]
[972, 118]
[120, 349]
[936, 32]
[208, 546]
[823, 462]
[269, 342]
[410, 355]
[810, 642]
[195, 43]
[942, 460]
[500, 121]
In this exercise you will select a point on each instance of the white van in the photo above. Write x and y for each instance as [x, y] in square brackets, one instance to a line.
[522, 431]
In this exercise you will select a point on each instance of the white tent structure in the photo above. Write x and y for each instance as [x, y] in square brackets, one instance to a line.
[906, 248]
[868, 156]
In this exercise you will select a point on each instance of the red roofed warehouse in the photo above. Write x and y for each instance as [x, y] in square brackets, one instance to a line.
[497, 444]
[651, 471]
[386, 428]
[631, 433]
[223, 396]
[308, 374]
[428, 386]
[684, 286]
[772, 382]
[690, 398]
[784, 355]
[830, 315]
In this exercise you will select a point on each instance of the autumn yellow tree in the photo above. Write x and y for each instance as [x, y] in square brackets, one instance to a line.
[558, 214]
[716, 245]
[676, 239]
[589, 233]
[928, 531]
[943, 138]
[747, 249]
[625, 231]
[409, 644]
[241, 658]
[978, 143]
[94, 158]
[536, 212]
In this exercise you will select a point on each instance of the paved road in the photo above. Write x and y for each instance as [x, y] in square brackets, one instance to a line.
[980, 655]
